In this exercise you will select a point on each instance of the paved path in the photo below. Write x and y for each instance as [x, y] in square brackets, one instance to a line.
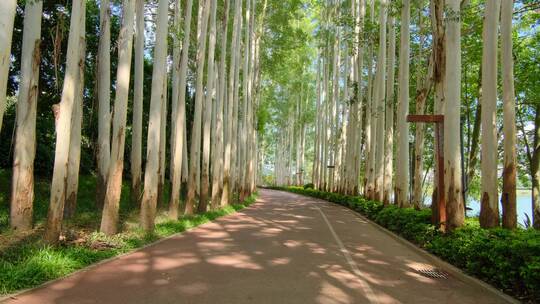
[283, 249]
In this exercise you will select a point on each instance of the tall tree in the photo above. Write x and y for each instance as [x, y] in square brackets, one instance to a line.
[378, 99]
[22, 186]
[509, 218]
[452, 86]
[159, 76]
[402, 131]
[210, 95]
[217, 165]
[194, 161]
[74, 159]
[63, 113]
[137, 120]
[179, 153]
[489, 209]
[389, 123]
[104, 96]
[7, 19]
[229, 125]
[109, 219]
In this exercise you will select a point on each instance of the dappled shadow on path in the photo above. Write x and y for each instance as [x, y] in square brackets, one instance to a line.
[279, 250]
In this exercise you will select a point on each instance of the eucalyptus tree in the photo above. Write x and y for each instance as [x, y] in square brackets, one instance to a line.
[194, 161]
[103, 151]
[378, 99]
[64, 110]
[179, 152]
[111, 205]
[389, 115]
[22, 185]
[370, 129]
[489, 210]
[228, 122]
[74, 159]
[210, 95]
[452, 105]
[402, 130]
[159, 76]
[7, 19]
[508, 199]
[137, 119]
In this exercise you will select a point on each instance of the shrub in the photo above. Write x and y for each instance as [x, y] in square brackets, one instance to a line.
[509, 260]
[309, 186]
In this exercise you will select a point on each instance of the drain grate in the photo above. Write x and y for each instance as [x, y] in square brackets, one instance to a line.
[433, 273]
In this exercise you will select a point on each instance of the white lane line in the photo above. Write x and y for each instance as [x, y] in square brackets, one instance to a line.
[372, 298]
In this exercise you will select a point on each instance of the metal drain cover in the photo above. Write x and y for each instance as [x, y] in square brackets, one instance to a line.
[433, 273]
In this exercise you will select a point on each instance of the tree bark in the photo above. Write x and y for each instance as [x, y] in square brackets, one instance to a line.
[508, 199]
[194, 165]
[489, 209]
[109, 219]
[159, 74]
[104, 96]
[22, 186]
[452, 162]
[64, 116]
[136, 140]
[389, 127]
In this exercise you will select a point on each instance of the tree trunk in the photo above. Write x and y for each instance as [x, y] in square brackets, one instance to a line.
[74, 159]
[104, 96]
[179, 153]
[65, 111]
[535, 170]
[136, 140]
[379, 96]
[109, 219]
[402, 132]
[7, 19]
[159, 74]
[508, 199]
[452, 162]
[202, 26]
[210, 95]
[489, 209]
[229, 140]
[389, 136]
[22, 186]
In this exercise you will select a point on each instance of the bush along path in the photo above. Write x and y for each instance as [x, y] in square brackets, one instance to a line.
[29, 263]
[506, 259]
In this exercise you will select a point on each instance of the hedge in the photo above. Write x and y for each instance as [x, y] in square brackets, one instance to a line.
[507, 259]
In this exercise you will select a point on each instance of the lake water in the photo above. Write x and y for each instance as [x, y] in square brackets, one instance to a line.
[524, 206]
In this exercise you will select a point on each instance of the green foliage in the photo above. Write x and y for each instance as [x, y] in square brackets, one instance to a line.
[309, 186]
[507, 259]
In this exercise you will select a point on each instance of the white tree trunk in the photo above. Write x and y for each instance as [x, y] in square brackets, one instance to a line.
[509, 218]
[210, 95]
[64, 110]
[229, 140]
[194, 167]
[489, 209]
[138, 85]
[74, 159]
[109, 219]
[452, 157]
[389, 123]
[402, 132]
[104, 96]
[379, 96]
[179, 153]
[7, 19]
[159, 73]
[22, 186]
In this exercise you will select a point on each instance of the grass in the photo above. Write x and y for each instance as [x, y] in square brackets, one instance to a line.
[25, 261]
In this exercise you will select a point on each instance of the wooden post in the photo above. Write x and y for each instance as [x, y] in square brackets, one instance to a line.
[439, 156]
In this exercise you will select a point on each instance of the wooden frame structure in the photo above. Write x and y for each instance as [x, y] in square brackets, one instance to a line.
[438, 120]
